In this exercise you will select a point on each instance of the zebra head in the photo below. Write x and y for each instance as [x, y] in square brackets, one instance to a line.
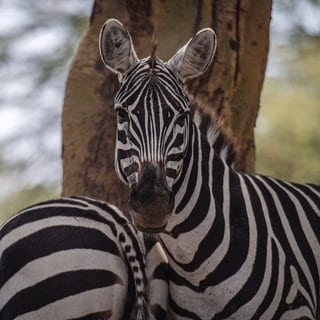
[153, 120]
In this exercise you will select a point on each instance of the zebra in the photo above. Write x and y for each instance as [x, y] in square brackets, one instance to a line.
[79, 258]
[240, 246]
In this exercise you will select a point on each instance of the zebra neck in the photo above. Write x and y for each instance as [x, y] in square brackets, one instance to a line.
[199, 195]
[210, 212]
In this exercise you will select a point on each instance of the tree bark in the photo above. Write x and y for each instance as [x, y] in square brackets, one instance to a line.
[232, 85]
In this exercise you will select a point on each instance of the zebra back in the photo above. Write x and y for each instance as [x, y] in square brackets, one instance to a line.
[72, 258]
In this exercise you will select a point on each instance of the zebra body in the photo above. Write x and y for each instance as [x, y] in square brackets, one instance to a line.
[247, 247]
[78, 258]
[239, 246]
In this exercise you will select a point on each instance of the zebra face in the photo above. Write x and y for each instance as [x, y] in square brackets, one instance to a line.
[152, 134]
[153, 121]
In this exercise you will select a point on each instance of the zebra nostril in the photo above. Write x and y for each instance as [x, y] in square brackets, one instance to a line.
[144, 192]
[133, 201]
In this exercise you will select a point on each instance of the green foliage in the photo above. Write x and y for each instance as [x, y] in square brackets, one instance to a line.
[38, 39]
[288, 135]
[24, 198]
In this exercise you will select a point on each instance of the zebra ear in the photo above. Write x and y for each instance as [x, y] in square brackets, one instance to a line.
[195, 57]
[116, 48]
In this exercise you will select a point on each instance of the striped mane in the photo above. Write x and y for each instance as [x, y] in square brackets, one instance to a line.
[153, 56]
[212, 127]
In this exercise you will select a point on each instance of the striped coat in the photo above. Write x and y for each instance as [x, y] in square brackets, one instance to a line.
[78, 258]
[239, 246]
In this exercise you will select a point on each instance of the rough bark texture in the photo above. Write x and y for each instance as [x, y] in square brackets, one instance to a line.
[232, 86]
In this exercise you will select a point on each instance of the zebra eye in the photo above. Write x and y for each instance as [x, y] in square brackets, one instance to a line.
[122, 114]
[181, 119]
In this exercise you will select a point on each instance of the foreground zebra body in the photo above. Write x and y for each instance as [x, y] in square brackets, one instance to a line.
[77, 258]
[239, 246]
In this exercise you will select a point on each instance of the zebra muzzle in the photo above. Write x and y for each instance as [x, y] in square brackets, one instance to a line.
[151, 200]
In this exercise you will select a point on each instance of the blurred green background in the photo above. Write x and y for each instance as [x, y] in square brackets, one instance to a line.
[288, 125]
[37, 42]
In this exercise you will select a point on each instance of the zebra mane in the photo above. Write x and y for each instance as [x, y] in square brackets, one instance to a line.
[212, 127]
[153, 56]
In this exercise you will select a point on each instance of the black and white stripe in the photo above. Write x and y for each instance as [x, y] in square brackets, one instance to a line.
[239, 246]
[157, 134]
[78, 258]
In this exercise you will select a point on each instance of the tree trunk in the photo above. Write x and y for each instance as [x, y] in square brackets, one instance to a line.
[232, 86]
